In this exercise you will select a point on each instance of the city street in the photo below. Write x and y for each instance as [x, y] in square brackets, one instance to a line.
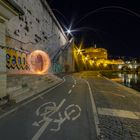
[63, 113]
[69, 73]
[83, 107]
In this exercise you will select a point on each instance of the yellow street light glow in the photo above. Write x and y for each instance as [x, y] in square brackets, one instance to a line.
[105, 65]
[78, 50]
[91, 62]
[98, 64]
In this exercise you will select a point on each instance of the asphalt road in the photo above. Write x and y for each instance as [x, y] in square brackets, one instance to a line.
[86, 106]
[64, 113]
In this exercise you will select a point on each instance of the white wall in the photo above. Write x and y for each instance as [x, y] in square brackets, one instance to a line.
[36, 29]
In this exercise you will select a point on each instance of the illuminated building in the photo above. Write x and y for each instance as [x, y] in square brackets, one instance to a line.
[94, 58]
[96, 53]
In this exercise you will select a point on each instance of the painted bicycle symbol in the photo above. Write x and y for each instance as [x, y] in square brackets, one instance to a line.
[46, 113]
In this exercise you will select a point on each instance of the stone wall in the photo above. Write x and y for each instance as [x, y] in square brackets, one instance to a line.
[3, 76]
[2, 34]
[37, 29]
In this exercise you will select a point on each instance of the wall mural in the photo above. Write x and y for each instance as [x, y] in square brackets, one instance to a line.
[16, 59]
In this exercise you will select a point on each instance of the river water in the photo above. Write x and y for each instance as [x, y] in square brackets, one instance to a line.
[129, 80]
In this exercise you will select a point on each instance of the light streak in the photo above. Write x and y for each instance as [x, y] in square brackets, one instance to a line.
[39, 62]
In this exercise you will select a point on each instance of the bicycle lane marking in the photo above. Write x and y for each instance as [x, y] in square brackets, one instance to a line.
[32, 99]
[74, 80]
[51, 110]
[69, 92]
[47, 121]
[73, 86]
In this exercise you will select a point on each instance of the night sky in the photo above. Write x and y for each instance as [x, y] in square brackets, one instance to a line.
[117, 30]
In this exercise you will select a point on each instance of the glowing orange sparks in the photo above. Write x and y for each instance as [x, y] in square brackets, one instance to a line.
[39, 62]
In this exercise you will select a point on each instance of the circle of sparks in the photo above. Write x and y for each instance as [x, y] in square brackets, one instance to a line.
[39, 62]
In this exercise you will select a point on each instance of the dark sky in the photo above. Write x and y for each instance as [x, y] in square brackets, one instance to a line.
[116, 28]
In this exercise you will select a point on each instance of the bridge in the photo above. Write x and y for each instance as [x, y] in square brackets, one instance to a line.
[133, 66]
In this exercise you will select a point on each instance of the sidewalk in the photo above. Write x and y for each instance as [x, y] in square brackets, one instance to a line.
[22, 94]
[24, 86]
[118, 109]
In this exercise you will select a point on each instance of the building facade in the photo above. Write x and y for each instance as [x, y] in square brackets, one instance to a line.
[94, 59]
[96, 53]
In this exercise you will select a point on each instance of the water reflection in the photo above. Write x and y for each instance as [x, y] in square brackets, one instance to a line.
[130, 80]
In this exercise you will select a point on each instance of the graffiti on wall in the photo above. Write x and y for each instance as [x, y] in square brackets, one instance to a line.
[20, 61]
[16, 59]
[57, 68]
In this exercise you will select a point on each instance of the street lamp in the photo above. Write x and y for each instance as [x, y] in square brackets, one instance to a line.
[86, 58]
[78, 50]
[68, 31]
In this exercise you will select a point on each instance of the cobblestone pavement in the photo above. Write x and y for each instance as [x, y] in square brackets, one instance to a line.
[123, 123]
[114, 128]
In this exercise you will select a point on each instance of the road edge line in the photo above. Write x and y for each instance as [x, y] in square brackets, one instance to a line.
[94, 109]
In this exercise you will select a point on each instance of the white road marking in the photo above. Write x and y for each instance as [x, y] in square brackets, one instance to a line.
[69, 92]
[34, 98]
[47, 110]
[73, 86]
[75, 82]
[119, 113]
[9, 112]
[67, 115]
[41, 130]
[46, 120]
[96, 119]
